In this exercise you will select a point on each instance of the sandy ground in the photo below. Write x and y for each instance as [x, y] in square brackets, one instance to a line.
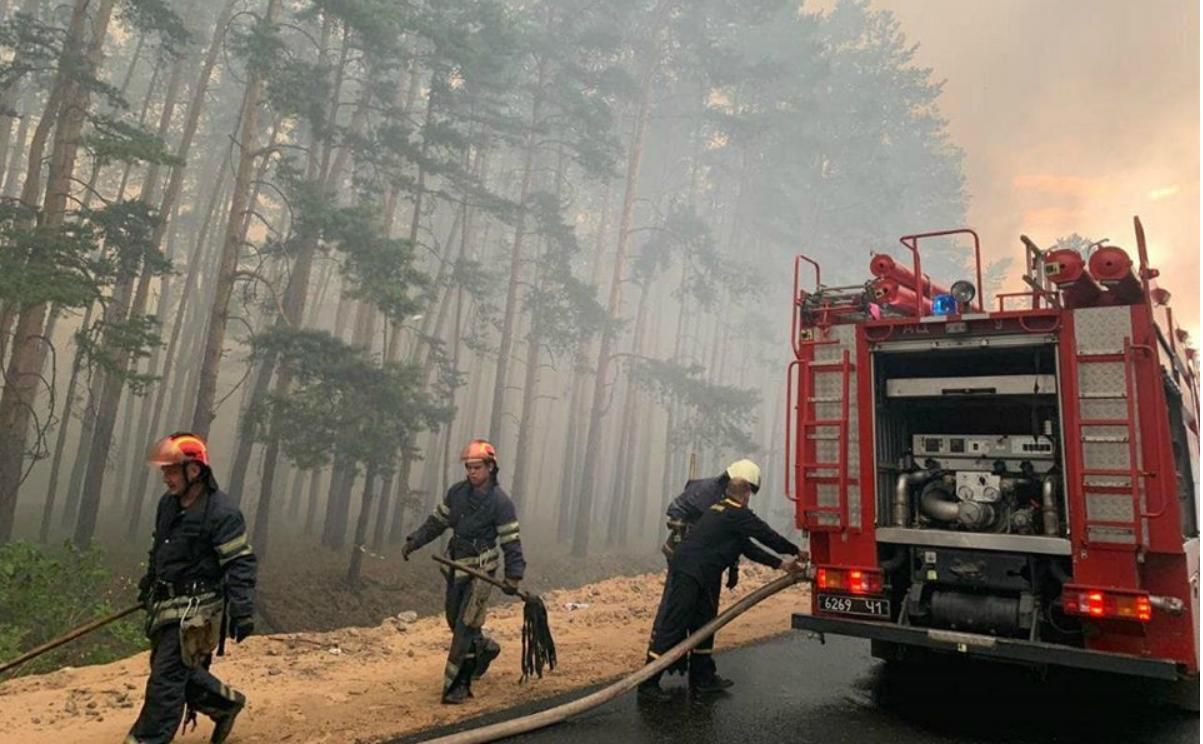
[367, 684]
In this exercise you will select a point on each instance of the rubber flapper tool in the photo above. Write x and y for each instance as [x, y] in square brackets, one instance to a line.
[538, 645]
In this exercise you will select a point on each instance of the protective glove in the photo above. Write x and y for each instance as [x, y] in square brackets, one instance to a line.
[145, 593]
[406, 550]
[241, 627]
[799, 564]
[510, 586]
[732, 575]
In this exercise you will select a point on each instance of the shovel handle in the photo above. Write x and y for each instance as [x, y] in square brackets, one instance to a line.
[478, 574]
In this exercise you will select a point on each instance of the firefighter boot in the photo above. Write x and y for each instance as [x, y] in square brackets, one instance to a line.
[709, 683]
[489, 649]
[460, 689]
[650, 690]
[225, 720]
[459, 693]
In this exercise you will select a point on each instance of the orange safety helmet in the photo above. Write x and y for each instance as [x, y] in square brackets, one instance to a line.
[178, 449]
[479, 449]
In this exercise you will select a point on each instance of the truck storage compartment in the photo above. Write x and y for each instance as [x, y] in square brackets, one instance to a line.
[968, 440]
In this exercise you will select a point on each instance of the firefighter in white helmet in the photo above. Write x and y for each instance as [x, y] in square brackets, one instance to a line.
[714, 542]
[684, 511]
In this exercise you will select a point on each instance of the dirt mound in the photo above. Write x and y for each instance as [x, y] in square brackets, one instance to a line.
[368, 684]
[304, 589]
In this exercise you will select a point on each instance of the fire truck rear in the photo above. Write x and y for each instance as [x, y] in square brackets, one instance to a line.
[1014, 481]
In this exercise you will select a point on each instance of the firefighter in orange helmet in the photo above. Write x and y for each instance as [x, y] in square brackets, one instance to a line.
[483, 525]
[199, 586]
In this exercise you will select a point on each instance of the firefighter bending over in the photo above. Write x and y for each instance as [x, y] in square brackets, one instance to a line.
[199, 585]
[685, 511]
[723, 533]
[481, 516]
[698, 496]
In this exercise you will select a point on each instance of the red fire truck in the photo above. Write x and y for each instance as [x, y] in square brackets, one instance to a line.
[1014, 482]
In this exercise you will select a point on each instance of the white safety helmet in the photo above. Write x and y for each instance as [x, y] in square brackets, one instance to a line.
[745, 470]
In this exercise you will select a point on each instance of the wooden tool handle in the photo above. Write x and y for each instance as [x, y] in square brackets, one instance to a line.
[476, 573]
[71, 636]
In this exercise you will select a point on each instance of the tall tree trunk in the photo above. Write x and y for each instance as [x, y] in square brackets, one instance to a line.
[9, 96]
[18, 149]
[204, 412]
[28, 352]
[168, 205]
[361, 527]
[297, 292]
[380, 529]
[616, 525]
[79, 466]
[581, 531]
[569, 498]
[128, 167]
[466, 239]
[396, 532]
[672, 473]
[334, 533]
[576, 416]
[511, 294]
[89, 192]
[294, 491]
[106, 413]
[166, 380]
[530, 383]
[338, 508]
[246, 428]
[114, 381]
[60, 445]
[131, 440]
[315, 482]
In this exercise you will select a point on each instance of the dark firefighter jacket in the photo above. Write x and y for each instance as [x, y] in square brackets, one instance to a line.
[724, 533]
[698, 496]
[479, 520]
[199, 555]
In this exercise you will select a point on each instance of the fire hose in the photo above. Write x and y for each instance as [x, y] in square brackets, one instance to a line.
[561, 713]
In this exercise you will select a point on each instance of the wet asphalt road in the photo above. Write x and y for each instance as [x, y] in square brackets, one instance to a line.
[794, 689]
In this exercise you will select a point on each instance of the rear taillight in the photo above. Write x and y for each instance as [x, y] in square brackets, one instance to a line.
[1106, 603]
[851, 580]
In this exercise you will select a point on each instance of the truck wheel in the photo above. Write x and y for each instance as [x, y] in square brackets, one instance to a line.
[884, 650]
[1184, 695]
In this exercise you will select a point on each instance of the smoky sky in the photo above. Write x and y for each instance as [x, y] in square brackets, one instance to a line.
[1074, 116]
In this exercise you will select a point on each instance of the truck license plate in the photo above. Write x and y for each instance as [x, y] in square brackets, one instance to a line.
[866, 606]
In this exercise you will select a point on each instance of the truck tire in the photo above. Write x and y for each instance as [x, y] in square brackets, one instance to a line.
[1184, 695]
[884, 650]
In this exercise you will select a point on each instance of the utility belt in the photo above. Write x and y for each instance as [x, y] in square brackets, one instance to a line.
[188, 603]
[487, 560]
[678, 530]
[164, 590]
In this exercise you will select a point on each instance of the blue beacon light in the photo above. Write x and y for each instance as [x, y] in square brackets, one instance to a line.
[944, 304]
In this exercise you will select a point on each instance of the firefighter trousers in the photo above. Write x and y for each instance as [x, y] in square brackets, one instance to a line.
[172, 685]
[685, 607]
[466, 605]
